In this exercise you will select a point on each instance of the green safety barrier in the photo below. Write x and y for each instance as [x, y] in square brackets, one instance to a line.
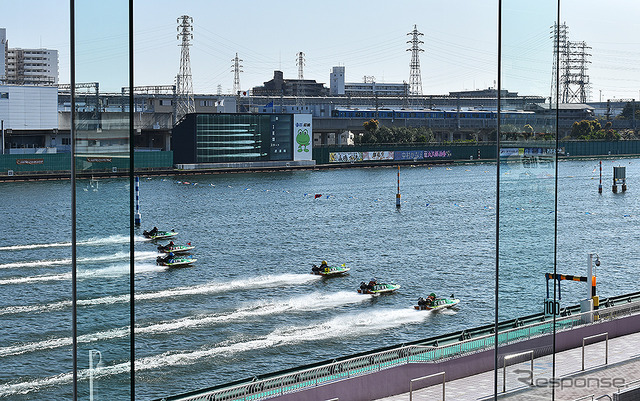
[483, 151]
[16, 164]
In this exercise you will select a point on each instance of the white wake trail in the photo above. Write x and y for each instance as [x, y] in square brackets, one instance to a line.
[96, 241]
[345, 326]
[203, 289]
[310, 302]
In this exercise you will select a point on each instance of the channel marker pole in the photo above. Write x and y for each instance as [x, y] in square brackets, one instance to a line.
[398, 195]
[137, 218]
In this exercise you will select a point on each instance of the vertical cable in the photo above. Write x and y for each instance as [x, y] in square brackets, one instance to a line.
[74, 292]
[555, 208]
[132, 317]
[495, 328]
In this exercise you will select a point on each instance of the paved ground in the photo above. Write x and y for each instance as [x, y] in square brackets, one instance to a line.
[598, 379]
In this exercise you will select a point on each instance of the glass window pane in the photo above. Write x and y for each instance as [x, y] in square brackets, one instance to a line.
[526, 191]
[103, 207]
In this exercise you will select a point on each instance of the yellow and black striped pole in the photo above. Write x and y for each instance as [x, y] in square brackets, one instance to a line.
[559, 277]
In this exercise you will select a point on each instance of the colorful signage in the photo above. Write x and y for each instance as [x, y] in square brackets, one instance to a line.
[409, 155]
[378, 155]
[432, 154]
[383, 155]
[345, 157]
[302, 137]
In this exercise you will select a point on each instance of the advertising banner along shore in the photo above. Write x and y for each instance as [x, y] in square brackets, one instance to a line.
[384, 155]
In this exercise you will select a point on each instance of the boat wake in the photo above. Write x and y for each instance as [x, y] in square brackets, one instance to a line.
[340, 327]
[234, 285]
[203, 289]
[310, 302]
[36, 279]
[109, 271]
[103, 258]
[98, 241]
[34, 246]
[36, 263]
[349, 325]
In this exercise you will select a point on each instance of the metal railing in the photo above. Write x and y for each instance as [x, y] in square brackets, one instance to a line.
[606, 348]
[504, 367]
[627, 385]
[362, 365]
[444, 379]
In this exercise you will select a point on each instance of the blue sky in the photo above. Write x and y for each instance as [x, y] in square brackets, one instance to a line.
[367, 37]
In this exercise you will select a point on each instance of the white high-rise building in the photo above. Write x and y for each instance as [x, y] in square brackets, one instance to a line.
[3, 51]
[31, 67]
[336, 81]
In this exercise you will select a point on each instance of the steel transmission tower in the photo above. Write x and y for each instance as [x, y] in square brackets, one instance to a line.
[236, 74]
[184, 86]
[575, 80]
[559, 46]
[415, 79]
[573, 85]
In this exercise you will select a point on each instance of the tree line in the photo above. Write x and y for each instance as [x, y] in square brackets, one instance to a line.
[375, 133]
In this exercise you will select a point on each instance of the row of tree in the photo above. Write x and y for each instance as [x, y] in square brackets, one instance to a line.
[585, 130]
[628, 112]
[374, 133]
[592, 130]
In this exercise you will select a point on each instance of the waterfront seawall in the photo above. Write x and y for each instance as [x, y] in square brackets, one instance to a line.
[57, 166]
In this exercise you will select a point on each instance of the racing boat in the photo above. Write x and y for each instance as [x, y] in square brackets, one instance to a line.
[433, 303]
[175, 261]
[329, 270]
[155, 234]
[171, 248]
[376, 288]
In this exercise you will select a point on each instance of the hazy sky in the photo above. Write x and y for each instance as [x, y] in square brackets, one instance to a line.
[367, 37]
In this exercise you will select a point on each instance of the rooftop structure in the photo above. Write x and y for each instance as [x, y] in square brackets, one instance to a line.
[279, 86]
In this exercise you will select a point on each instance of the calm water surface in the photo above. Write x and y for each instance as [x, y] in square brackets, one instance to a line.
[249, 305]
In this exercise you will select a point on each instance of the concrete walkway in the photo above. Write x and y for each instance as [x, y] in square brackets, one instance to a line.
[597, 379]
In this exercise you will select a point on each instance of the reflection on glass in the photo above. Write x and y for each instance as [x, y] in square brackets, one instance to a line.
[527, 188]
[102, 200]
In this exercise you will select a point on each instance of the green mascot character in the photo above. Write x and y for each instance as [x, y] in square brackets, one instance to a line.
[303, 139]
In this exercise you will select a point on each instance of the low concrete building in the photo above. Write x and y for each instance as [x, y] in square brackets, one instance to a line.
[30, 118]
